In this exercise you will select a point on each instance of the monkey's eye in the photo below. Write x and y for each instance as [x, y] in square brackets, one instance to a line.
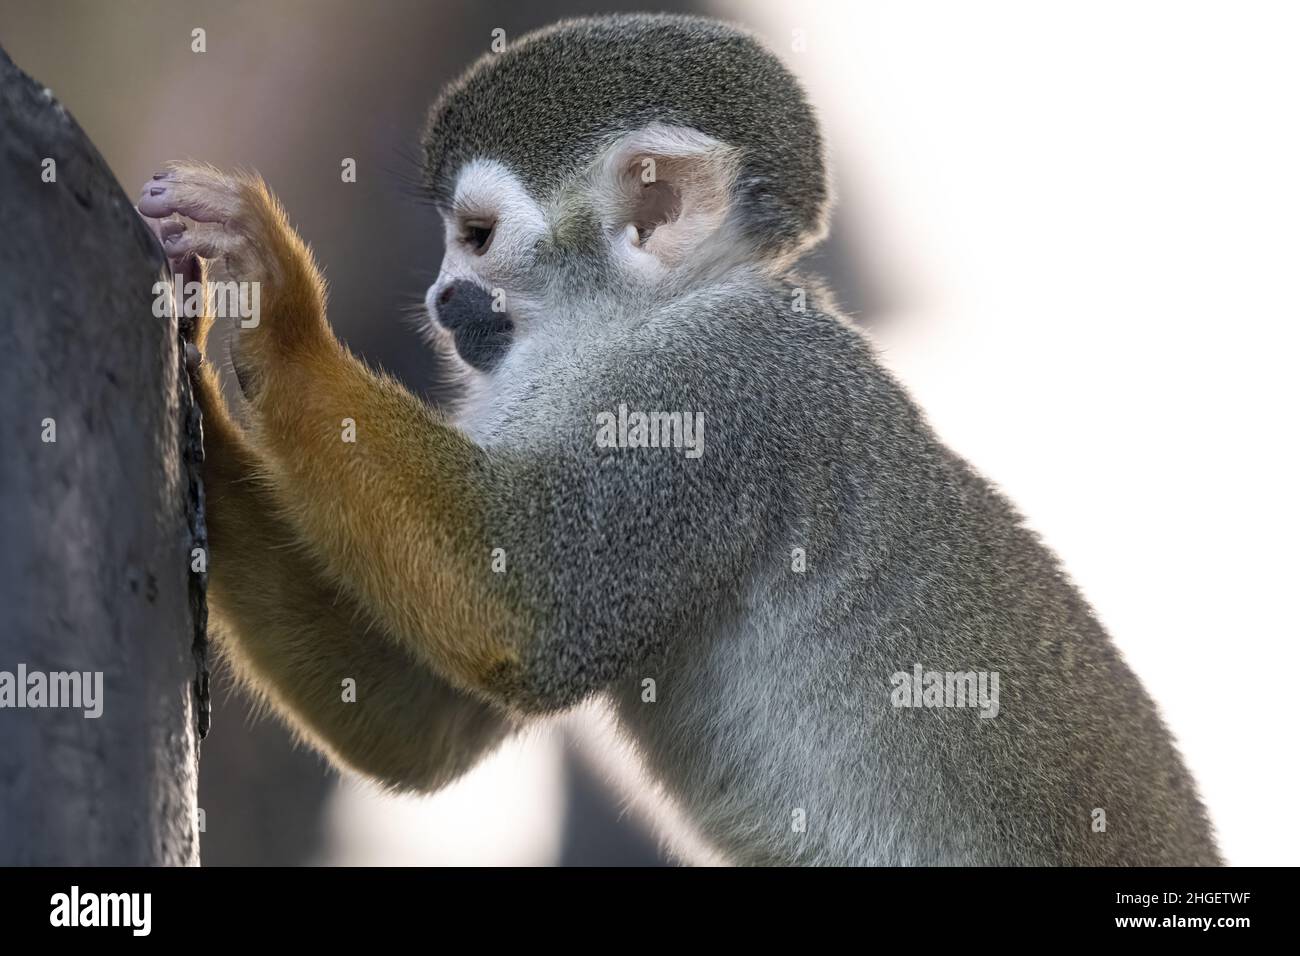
[477, 234]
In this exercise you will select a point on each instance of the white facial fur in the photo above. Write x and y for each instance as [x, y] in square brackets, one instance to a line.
[487, 191]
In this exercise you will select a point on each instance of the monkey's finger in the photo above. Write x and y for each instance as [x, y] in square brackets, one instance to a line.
[183, 241]
[187, 267]
[193, 190]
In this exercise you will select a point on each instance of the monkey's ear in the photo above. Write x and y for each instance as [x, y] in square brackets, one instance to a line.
[665, 191]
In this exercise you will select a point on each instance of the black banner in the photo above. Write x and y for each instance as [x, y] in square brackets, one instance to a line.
[462, 907]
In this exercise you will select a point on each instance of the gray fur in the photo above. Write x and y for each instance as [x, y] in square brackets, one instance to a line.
[773, 686]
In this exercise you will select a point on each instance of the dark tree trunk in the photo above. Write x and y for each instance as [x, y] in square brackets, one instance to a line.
[97, 526]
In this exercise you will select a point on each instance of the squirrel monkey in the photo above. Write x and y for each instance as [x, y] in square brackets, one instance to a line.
[676, 477]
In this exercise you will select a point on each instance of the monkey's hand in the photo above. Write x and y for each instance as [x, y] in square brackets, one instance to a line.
[258, 270]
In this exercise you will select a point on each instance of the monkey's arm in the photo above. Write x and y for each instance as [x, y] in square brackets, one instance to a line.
[295, 639]
[606, 556]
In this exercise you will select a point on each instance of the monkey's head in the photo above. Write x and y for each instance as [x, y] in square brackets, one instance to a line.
[603, 166]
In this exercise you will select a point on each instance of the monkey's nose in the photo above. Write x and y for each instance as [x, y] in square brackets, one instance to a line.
[461, 304]
[481, 333]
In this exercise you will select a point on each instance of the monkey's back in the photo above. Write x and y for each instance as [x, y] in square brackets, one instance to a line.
[774, 724]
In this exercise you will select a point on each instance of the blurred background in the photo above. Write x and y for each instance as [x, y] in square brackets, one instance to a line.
[1072, 229]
